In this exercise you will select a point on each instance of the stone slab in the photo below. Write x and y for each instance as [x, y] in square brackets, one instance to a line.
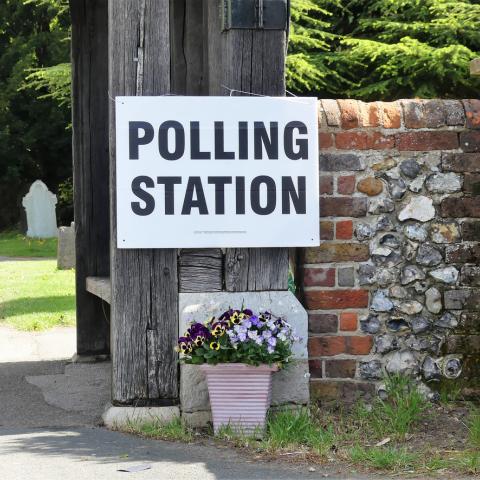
[66, 247]
[289, 386]
[118, 417]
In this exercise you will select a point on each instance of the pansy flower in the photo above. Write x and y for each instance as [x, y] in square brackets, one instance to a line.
[184, 345]
[214, 346]
[218, 329]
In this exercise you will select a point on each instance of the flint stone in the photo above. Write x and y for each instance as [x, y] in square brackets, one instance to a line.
[444, 183]
[366, 274]
[402, 363]
[430, 369]
[410, 250]
[417, 184]
[397, 188]
[381, 205]
[371, 324]
[410, 307]
[433, 300]
[386, 276]
[364, 231]
[419, 324]
[446, 275]
[389, 260]
[384, 165]
[382, 252]
[385, 343]
[371, 186]
[410, 168]
[410, 273]
[346, 277]
[381, 302]
[416, 232]
[423, 344]
[428, 256]
[471, 275]
[445, 232]
[451, 367]
[447, 320]
[398, 292]
[456, 299]
[288, 386]
[390, 240]
[398, 325]
[419, 208]
[420, 287]
[384, 223]
[371, 370]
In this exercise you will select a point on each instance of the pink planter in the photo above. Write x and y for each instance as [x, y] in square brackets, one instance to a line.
[240, 395]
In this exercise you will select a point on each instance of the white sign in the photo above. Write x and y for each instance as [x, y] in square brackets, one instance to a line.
[196, 172]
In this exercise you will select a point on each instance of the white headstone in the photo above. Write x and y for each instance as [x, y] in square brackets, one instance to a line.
[39, 204]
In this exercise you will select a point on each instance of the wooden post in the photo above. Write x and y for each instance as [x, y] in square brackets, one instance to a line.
[144, 282]
[90, 168]
[253, 61]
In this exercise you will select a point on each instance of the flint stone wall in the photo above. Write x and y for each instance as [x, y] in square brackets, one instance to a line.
[395, 285]
[289, 386]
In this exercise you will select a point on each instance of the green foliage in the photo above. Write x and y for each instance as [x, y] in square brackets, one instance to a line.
[474, 428]
[175, 430]
[384, 458]
[384, 49]
[34, 142]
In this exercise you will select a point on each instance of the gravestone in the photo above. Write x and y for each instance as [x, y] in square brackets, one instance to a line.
[66, 247]
[39, 204]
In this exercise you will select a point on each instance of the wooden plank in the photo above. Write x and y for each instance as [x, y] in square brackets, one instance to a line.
[475, 67]
[89, 51]
[201, 270]
[144, 282]
[100, 287]
[250, 61]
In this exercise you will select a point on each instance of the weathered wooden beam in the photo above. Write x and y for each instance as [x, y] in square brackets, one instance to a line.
[250, 61]
[144, 282]
[89, 51]
[201, 270]
[100, 287]
[475, 67]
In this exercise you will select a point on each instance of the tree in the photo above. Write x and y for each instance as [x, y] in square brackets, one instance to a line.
[384, 49]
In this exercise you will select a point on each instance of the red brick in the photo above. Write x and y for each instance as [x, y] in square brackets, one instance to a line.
[348, 113]
[378, 141]
[326, 346]
[424, 141]
[344, 230]
[413, 113]
[348, 321]
[351, 140]
[315, 368]
[336, 299]
[326, 230]
[460, 207]
[338, 162]
[326, 185]
[343, 207]
[356, 345]
[471, 230]
[340, 368]
[472, 112]
[332, 112]
[424, 113]
[337, 252]
[390, 114]
[319, 277]
[322, 323]
[346, 185]
[470, 141]
[471, 185]
[368, 114]
[325, 140]
[461, 162]
[346, 392]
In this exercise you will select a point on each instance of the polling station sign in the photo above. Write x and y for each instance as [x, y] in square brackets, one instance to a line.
[195, 172]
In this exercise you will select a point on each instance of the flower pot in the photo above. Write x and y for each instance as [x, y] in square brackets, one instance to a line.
[240, 395]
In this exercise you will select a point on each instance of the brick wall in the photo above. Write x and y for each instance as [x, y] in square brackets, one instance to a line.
[394, 285]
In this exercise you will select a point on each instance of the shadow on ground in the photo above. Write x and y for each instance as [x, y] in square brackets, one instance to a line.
[28, 305]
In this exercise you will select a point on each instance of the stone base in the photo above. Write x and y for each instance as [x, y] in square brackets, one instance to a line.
[118, 417]
[197, 419]
[89, 358]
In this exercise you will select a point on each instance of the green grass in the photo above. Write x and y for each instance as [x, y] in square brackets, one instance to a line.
[474, 427]
[175, 430]
[14, 244]
[383, 458]
[34, 295]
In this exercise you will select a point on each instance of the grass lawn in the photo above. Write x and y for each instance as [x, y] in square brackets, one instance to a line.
[34, 295]
[14, 244]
